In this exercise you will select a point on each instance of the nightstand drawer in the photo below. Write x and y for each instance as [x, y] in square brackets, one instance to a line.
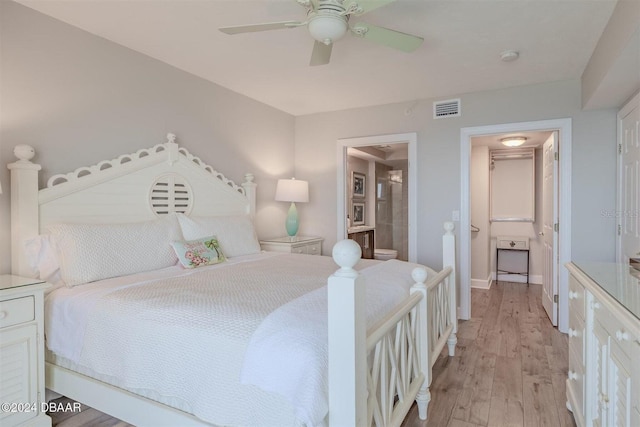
[314, 248]
[16, 311]
[298, 249]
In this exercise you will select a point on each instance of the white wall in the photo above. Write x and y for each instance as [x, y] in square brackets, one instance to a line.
[515, 261]
[593, 157]
[79, 99]
[479, 194]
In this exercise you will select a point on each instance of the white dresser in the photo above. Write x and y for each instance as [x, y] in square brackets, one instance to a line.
[295, 245]
[603, 384]
[22, 352]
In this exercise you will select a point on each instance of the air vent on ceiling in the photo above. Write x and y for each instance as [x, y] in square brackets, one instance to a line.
[448, 108]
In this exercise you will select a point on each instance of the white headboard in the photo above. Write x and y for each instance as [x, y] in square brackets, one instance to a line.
[131, 188]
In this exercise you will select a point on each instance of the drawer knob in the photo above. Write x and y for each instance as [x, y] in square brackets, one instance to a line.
[622, 335]
[3, 314]
[595, 304]
[604, 399]
[573, 375]
[573, 295]
[573, 332]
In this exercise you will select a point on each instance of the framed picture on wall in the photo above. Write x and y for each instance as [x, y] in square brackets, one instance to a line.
[358, 213]
[358, 182]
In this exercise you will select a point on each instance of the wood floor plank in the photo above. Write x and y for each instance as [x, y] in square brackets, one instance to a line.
[540, 405]
[508, 321]
[475, 399]
[506, 398]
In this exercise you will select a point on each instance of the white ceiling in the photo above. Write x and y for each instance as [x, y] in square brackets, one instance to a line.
[534, 139]
[461, 52]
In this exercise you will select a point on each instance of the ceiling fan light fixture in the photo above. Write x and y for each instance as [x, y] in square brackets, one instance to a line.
[328, 29]
[513, 141]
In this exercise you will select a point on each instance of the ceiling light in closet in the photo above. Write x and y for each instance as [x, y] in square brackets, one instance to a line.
[513, 141]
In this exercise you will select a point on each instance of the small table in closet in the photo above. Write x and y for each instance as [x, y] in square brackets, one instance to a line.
[512, 243]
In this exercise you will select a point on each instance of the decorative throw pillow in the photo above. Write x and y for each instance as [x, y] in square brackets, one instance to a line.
[198, 253]
[236, 234]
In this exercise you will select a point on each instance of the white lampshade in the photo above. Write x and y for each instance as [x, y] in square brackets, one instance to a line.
[292, 190]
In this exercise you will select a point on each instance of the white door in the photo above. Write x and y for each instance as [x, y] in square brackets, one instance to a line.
[628, 182]
[549, 234]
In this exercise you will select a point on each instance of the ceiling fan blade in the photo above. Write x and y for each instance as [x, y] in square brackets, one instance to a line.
[387, 37]
[361, 7]
[321, 53]
[261, 27]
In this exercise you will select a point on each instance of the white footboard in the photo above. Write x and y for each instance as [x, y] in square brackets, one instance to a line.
[374, 377]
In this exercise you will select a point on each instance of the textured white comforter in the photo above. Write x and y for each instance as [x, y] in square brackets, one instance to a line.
[182, 335]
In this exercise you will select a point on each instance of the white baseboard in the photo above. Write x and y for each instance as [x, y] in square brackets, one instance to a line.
[535, 279]
[481, 284]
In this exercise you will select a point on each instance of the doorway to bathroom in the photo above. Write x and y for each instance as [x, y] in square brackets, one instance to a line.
[377, 195]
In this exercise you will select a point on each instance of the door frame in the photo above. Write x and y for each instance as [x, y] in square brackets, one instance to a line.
[563, 126]
[400, 138]
[633, 103]
[555, 178]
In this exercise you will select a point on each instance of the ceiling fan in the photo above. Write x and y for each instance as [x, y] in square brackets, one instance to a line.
[329, 20]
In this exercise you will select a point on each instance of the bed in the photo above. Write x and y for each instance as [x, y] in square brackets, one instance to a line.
[251, 338]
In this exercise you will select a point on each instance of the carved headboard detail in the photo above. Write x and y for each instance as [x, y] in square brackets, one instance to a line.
[130, 188]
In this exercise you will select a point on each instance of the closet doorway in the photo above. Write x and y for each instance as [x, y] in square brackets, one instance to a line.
[562, 231]
[377, 192]
[514, 210]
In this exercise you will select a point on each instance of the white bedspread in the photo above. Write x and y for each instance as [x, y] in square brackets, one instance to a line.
[288, 354]
[183, 334]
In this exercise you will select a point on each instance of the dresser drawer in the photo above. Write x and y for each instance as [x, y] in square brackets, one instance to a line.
[576, 337]
[625, 340]
[577, 299]
[575, 381]
[15, 311]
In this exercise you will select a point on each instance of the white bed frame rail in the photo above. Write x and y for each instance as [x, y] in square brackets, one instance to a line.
[375, 375]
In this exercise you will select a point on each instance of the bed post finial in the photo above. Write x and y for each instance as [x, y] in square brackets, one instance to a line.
[171, 138]
[250, 192]
[449, 227]
[24, 206]
[449, 260]
[346, 253]
[420, 275]
[347, 339]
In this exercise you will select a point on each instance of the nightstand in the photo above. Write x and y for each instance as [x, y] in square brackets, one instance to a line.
[296, 245]
[22, 351]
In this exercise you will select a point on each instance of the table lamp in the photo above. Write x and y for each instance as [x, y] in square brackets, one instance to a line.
[292, 190]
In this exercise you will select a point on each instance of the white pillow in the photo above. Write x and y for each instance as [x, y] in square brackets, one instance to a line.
[236, 234]
[90, 252]
[42, 255]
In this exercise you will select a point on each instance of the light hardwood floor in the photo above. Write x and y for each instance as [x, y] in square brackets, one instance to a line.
[509, 369]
